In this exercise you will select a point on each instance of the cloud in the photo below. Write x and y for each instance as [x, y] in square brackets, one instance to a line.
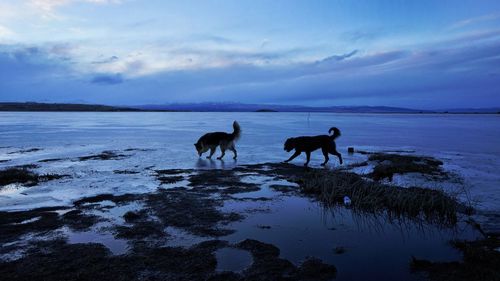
[474, 20]
[106, 60]
[47, 7]
[107, 79]
[5, 32]
[439, 75]
[336, 58]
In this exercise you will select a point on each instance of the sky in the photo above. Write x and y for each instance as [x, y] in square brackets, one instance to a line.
[422, 54]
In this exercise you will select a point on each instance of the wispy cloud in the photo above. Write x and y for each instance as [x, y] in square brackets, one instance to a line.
[47, 8]
[474, 20]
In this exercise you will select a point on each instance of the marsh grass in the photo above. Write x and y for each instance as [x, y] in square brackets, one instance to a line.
[390, 164]
[368, 196]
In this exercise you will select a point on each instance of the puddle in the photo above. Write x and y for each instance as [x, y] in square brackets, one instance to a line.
[230, 259]
[181, 238]
[116, 246]
[301, 227]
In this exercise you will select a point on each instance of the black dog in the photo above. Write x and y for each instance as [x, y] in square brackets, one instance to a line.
[310, 144]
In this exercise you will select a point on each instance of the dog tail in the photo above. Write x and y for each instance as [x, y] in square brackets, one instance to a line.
[336, 132]
[236, 131]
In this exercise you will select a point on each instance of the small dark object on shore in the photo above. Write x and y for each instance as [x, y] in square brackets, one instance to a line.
[131, 216]
[264, 226]
[105, 155]
[350, 149]
[339, 250]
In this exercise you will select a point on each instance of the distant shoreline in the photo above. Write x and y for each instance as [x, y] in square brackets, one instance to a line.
[67, 107]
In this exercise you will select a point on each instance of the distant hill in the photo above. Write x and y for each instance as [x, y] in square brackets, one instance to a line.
[472, 110]
[230, 107]
[34, 106]
[239, 107]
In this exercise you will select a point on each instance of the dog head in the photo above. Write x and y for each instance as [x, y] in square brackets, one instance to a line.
[289, 144]
[199, 148]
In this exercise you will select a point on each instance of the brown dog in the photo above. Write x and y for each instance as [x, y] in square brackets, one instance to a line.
[309, 144]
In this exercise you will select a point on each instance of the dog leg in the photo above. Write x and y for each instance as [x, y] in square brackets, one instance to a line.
[325, 153]
[334, 151]
[212, 151]
[297, 153]
[308, 155]
[223, 150]
[234, 151]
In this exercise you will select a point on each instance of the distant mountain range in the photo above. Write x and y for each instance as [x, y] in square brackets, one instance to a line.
[228, 107]
[239, 107]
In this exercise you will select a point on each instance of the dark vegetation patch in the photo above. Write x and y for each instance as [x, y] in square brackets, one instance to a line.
[339, 250]
[140, 226]
[140, 230]
[330, 187]
[390, 164]
[284, 188]
[412, 202]
[132, 216]
[170, 176]
[267, 265]
[105, 155]
[27, 166]
[126, 172]
[78, 220]
[108, 197]
[24, 175]
[18, 175]
[139, 149]
[22, 151]
[170, 179]
[50, 160]
[41, 220]
[57, 260]
[226, 181]
[173, 172]
[192, 211]
[195, 212]
[481, 260]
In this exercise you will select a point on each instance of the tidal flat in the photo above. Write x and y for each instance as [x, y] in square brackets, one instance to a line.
[93, 200]
[265, 221]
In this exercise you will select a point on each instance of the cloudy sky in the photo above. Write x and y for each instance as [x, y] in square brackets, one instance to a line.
[420, 54]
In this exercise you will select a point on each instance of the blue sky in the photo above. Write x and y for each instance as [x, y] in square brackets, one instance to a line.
[419, 54]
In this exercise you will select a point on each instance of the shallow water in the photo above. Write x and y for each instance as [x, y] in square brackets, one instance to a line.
[468, 144]
[375, 247]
